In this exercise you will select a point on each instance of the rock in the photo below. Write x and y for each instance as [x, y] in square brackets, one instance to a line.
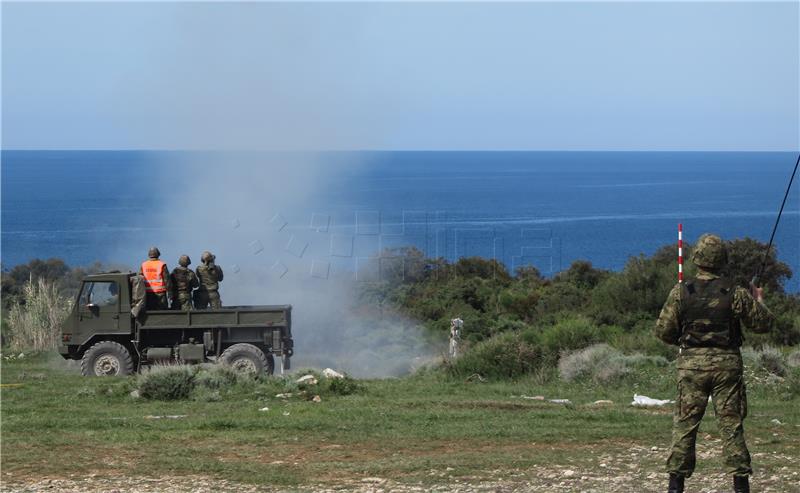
[373, 480]
[330, 373]
[21, 355]
[534, 398]
[317, 399]
[286, 413]
[307, 379]
[135, 394]
[560, 401]
[264, 409]
[603, 402]
[283, 396]
[776, 422]
[568, 473]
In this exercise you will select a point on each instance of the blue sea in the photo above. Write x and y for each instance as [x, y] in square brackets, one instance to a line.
[523, 208]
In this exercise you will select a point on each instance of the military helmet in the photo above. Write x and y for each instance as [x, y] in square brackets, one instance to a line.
[153, 252]
[207, 256]
[710, 252]
[184, 261]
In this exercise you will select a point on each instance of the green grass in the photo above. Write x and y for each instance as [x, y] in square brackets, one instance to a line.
[56, 423]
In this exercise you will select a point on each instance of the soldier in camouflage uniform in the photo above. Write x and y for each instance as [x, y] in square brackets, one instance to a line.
[184, 281]
[210, 275]
[704, 316]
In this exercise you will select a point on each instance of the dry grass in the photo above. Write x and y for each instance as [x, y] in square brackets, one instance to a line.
[34, 321]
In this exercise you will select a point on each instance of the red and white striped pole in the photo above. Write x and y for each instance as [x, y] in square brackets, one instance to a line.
[680, 252]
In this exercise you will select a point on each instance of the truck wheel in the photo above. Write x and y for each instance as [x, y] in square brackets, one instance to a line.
[106, 358]
[246, 358]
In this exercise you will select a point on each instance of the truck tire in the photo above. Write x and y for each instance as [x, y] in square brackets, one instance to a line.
[106, 358]
[246, 358]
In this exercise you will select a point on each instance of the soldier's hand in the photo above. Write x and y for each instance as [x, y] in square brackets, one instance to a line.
[757, 292]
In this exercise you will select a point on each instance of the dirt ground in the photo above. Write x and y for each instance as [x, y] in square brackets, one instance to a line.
[634, 470]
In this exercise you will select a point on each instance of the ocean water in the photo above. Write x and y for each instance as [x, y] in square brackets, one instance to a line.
[523, 208]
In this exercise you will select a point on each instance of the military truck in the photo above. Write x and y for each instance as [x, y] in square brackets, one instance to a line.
[103, 334]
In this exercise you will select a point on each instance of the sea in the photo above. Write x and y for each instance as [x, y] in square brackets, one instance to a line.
[545, 209]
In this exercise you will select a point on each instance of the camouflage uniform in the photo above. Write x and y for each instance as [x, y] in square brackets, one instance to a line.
[704, 316]
[210, 275]
[184, 281]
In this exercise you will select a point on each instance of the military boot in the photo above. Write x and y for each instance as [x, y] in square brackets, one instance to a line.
[675, 484]
[741, 484]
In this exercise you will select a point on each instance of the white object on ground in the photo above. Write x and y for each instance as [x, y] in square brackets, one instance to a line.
[534, 398]
[560, 401]
[169, 416]
[283, 396]
[309, 379]
[776, 421]
[329, 373]
[264, 409]
[644, 401]
[317, 398]
[602, 402]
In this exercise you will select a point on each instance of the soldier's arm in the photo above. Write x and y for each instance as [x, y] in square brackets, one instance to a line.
[219, 271]
[194, 283]
[668, 327]
[753, 313]
[167, 278]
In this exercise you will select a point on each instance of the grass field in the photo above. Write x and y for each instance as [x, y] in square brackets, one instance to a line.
[64, 432]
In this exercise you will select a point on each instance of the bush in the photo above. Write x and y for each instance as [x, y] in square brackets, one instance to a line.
[793, 359]
[603, 364]
[767, 358]
[569, 333]
[217, 377]
[35, 319]
[506, 355]
[771, 359]
[341, 386]
[167, 383]
[599, 363]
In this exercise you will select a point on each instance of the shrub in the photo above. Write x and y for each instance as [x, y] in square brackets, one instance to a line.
[771, 359]
[214, 377]
[601, 363]
[767, 359]
[35, 319]
[167, 383]
[793, 359]
[506, 355]
[569, 333]
[342, 386]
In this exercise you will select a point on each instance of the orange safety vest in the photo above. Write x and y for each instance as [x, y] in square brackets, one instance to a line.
[153, 276]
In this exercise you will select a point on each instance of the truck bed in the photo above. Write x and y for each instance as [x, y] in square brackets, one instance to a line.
[230, 316]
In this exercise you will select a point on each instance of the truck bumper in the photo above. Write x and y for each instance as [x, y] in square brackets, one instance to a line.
[64, 351]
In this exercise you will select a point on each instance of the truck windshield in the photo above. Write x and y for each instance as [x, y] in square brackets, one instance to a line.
[103, 293]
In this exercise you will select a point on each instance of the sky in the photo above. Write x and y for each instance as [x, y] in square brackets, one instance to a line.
[401, 76]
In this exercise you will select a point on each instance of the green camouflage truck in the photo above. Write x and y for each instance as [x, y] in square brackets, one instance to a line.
[108, 339]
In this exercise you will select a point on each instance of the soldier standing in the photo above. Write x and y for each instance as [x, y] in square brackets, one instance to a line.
[210, 275]
[184, 281]
[704, 316]
[156, 279]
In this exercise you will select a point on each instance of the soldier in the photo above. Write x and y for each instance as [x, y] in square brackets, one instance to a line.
[156, 279]
[704, 316]
[210, 275]
[184, 281]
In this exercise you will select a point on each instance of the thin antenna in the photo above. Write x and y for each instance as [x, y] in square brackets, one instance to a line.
[680, 253]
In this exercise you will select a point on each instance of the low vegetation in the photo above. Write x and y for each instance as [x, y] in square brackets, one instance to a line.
[429, 431]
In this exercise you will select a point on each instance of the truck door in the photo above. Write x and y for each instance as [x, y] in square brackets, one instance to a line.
[98, 312]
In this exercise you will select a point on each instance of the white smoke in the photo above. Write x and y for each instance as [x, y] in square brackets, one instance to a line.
[264, 215]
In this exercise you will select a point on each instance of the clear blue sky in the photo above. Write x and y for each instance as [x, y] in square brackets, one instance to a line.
[628, 75]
